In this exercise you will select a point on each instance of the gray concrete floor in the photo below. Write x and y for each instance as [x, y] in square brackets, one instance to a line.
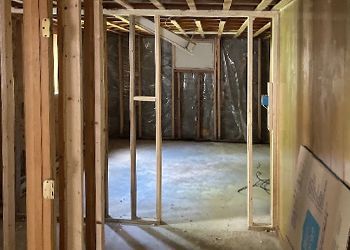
[201, 206]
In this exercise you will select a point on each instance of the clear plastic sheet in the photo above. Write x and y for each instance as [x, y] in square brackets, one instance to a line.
[113, 85]
[148, 87]
[189, 105]
[234, 90]
[265, 78]
[207, 109]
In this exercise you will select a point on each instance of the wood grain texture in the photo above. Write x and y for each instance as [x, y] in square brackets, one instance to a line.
[71, 78]
[8, 125]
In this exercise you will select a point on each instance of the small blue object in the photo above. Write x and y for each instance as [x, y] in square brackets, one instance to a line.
[265, 101]
[311, 232]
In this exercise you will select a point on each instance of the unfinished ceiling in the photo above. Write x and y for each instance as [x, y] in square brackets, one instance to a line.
[189, 26]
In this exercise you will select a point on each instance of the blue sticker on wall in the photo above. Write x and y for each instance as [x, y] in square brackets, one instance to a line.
[311, 231]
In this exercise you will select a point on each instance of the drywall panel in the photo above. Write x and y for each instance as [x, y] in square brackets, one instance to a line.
[314, 90]
[202, 56]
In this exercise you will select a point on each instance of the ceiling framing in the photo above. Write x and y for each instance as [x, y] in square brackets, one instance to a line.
[192, 26]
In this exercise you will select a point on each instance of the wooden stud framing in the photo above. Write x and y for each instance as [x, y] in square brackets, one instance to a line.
[106, 116]
[191, 13]
[71, 80]
[199, 106]
[158, 4]
[39, 124]
[250, 122]
[100, 122]
[158, 95]
[274, 167]
[133, 185]
[89, 121]
[8, 125]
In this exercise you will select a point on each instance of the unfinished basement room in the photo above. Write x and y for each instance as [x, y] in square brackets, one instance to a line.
[175, 124]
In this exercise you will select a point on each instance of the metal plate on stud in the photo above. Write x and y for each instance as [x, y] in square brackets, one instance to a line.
[49, 189]
[45, 27]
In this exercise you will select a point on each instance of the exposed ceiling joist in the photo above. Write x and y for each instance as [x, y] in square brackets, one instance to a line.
[282, 4]
[157, 4]
[127, 22]
[262, 29]
[165, 34]
[221, 27]
[263, 4]
[207, 32]
[177, 25]
[227, 5]
[242, 28]
[191, 13]
[117, 26]
[200, 28]
[191, 4]
[124, 3]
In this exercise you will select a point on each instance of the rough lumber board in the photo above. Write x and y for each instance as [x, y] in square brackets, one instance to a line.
[190, 13]
[158, 4]
[133, 185]
[242, 28]
[8, 125]
[221, 27]
[158, 106]
[124, 3]
[282, 4]
[100, 122]
[263, 4]
[47, 125]
[250, 122]
[199, 28]
[262, 29]
[191, 4]
[89, 121]
[227, 5]
[70, 78]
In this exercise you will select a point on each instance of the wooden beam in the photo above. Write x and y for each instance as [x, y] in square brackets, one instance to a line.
[71, 78]
[133, 184]
[262, 29]
[227, 5]
[199, 28]
[89, 121]
[263, 4]
[124, 3]
[282, 4]
[221, 27]
[145, 98]
[158, 106]
[100, 122]
[117, 26]
[39, 123]
[242, 28]
[191, 4]
[250, 122]
[123, 19]
[274, 140]
[139, 83]
[8, 125]
[177, 25]
[190, 13]
[158, 4]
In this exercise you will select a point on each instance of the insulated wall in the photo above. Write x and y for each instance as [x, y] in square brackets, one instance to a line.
[193, 90]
